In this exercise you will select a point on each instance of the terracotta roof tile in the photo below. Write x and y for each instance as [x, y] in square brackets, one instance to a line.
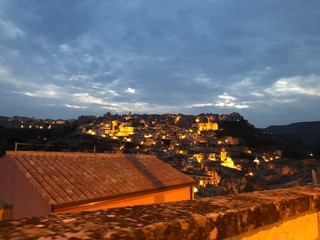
[71, 177]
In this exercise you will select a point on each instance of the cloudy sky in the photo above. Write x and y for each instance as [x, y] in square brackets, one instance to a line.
[62, 59]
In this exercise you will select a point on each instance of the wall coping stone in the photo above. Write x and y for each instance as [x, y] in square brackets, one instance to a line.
[209, 218]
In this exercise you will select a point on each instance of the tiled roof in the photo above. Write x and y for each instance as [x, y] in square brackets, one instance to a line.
[72, 177]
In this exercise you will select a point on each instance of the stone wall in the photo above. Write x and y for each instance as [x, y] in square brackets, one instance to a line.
[302, 226]
[287, 213]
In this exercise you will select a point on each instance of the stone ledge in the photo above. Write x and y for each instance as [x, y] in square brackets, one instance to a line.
[211, 218]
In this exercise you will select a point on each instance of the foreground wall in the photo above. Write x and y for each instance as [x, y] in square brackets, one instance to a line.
[275, 214]
[302, 226]
[16, 190]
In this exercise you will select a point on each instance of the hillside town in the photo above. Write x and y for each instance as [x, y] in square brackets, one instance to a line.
[221, 160]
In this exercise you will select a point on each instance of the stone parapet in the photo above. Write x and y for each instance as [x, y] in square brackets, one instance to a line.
[220, 217]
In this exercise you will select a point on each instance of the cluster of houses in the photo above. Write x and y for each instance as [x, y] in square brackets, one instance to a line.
[192, 144]
[18, 122]
[170, 157]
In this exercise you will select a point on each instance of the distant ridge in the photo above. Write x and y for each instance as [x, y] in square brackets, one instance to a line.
[293, 127]
[296, 124]
[298, 137]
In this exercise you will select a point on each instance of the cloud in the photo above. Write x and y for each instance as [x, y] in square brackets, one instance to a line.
[7, 78]
[257, 94]
[86, 98]
[10, 30]
[130, 90]
[283, 101]
[226, 98]
[165, 56]
[29, 88]
[65, 48]
[244, 83]
[112, 93]
[75, 106]
[298, 85]
[202, 78]
[116, 106]
[203, 105]
[224, 101]
[43, 93]
[80, 78]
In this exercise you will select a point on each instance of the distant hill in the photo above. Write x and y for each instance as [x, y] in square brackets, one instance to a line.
[300, 138]
[252, 136]
[294, 128]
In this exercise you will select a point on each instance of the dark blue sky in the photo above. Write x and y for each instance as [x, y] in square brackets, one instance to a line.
[62, 59]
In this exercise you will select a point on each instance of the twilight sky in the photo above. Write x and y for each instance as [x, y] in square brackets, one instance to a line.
[62, 59]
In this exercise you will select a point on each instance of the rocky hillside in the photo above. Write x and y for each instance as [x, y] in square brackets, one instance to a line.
[298, 139]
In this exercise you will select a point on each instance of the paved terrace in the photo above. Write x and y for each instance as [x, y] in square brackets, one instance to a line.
[220, 217]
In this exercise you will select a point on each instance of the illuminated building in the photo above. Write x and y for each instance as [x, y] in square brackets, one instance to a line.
[257, 161]
[227, 161]
[177, 119]
[207, 126]
[199, 157]
[212, 156]
[91, 132]
[223, 154]
[114, 127]
[125, 131]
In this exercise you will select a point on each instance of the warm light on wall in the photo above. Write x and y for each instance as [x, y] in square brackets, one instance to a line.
[177, 119]
[212, 156]
[223, 154]
[199, 157]
[183, 137]
[91, 132]
[125, 131]
[207, 126]
[201, 183]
